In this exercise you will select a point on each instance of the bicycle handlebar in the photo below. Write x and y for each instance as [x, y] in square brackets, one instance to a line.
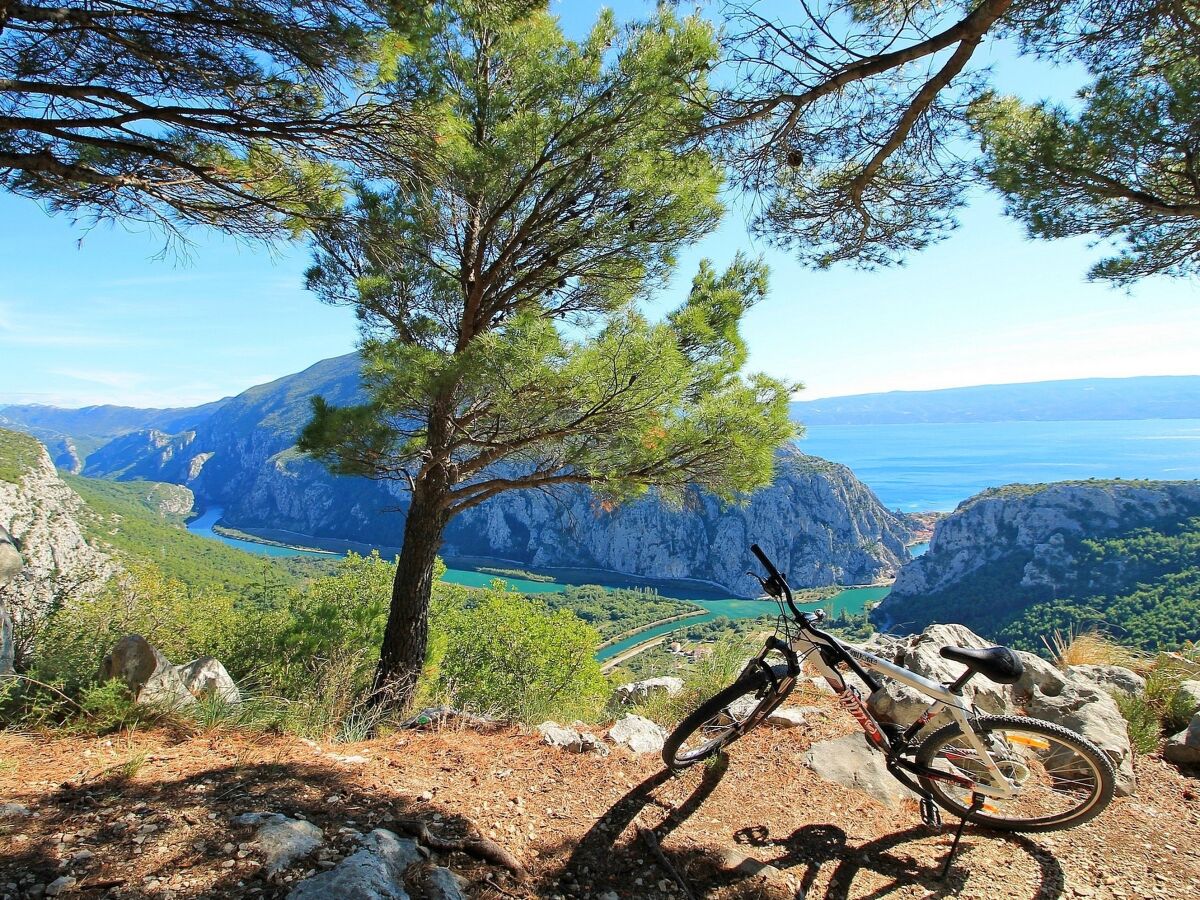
[776, 585]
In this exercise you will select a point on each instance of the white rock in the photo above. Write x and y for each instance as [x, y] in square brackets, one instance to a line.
[60, 884]
[638, 734]
[1184, 748]
[1111, 677]
[636, 691]
[206, 676]
[850, 761]
[374, 873]
[13, 811]
[1190, 692]
[1091, 712]
[442, 884]
[281, 840]
[146, 672]
[786, 717]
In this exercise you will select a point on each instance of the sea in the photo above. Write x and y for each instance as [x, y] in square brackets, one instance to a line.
[912, 468]
[934, 467]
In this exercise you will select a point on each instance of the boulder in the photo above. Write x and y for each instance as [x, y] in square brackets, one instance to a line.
[14, 811]
[1111, 678]
[1189, 693]
[636, 691]
[569, 739]
[149, 675]
[206, 677]
[638, 734]
[850, 761]
[1090, 711]
[280, 840]
[921, 654]
[443, 884]
[375, 872]
[1184, 748]
[1040, 674]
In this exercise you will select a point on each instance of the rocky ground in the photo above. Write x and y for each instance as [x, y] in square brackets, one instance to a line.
[163, 814]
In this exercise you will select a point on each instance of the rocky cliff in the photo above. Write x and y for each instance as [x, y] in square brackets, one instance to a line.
[43, 514]
[1009, 548]
[819, 520]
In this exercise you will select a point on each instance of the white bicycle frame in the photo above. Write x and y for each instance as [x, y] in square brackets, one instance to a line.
[959, 708]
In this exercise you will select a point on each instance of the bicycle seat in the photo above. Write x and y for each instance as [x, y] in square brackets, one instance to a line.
[998, 664]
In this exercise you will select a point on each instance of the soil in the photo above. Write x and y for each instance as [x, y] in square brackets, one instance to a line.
[147, 814]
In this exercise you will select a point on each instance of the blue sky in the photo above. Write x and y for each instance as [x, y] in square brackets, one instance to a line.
[96, 317]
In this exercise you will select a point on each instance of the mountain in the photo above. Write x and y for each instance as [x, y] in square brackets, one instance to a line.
[1018, 562]
[72, 434]
[1150, 397]
[822, 522]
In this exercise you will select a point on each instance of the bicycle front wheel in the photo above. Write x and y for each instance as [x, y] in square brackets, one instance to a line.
[721, 720]
[1060, 778]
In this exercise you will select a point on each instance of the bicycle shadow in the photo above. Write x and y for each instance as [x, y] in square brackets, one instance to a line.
[900, 860]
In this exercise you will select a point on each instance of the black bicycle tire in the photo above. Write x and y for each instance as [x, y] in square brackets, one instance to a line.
[1104, 766]
[747, 684]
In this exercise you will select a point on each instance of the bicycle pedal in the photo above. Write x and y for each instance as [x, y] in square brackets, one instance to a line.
[931, 815]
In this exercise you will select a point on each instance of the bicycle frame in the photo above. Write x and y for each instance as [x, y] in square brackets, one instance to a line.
[829, 652]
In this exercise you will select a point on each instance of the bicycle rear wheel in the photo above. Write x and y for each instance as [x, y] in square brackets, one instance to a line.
[722, 719]
[1061, 779]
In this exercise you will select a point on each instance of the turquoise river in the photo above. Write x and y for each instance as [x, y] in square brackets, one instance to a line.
[852, 600]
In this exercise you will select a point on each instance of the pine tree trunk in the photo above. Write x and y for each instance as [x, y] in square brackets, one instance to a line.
[407, 632]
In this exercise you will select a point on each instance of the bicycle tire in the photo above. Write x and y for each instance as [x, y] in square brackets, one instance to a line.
[1089, 806]
[673, 754]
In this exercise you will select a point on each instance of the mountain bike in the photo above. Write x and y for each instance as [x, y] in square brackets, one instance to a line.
[1007, 773]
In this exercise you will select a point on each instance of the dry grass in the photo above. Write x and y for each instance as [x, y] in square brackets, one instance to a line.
[1091, 648]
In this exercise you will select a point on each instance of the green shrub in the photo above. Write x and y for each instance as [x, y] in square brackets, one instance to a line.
[504, 654]
[182, 623]
[1142, 720]
[700, 681]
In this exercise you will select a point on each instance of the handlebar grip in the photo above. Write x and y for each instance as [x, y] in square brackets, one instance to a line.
[762, 558]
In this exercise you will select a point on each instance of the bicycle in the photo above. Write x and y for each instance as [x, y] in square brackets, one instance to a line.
[1008, 773]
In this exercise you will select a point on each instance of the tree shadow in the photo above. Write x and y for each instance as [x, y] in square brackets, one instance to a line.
[175, 833]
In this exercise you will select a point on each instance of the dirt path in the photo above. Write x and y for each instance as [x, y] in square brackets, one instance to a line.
[609, 664]
[147, 815]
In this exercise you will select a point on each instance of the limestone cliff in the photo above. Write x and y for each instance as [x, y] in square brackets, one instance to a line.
[43, 514]
[1009, 548]
[821, 522]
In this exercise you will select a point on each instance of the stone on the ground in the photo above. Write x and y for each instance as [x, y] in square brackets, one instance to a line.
[206, 677]
[149, 675]
[1189, 691]
[566, 738]
[442, 884]
[850, 761]
[735, 859]
[13, 811]
[1111, 678]
[636, 691]
[638, 734]
[1088, 710]
[1184, 748]
[376, 872]
[280, 840]
[786, 717]
[59, 885]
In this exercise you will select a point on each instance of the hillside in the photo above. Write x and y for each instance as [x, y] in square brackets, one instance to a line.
[145, 520]
[818, 518]
[1151, 397]
[152, 814]
[1016, 563]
